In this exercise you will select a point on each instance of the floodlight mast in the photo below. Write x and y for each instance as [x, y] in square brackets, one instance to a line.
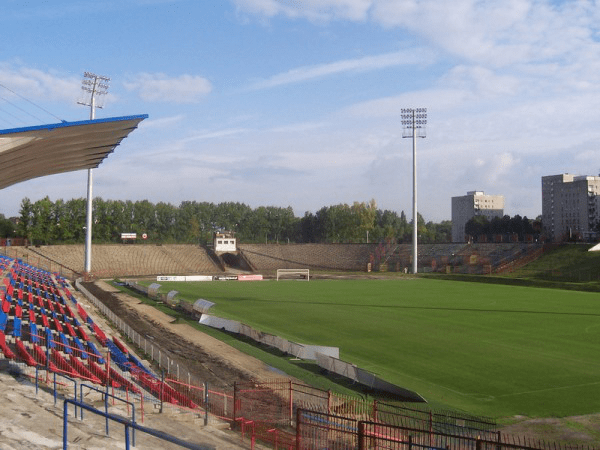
[94, 85]
[414, 121]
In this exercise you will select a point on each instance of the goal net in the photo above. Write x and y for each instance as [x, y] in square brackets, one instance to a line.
[293, 274]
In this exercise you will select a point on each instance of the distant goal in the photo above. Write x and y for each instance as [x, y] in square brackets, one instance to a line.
[293, 274]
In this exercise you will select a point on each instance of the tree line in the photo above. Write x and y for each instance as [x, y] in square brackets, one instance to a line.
[506, 225]
[63, 222]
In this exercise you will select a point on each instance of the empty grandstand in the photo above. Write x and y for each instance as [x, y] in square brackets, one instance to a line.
[118, 260]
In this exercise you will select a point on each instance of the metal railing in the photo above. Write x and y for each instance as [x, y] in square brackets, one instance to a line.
[128, 424]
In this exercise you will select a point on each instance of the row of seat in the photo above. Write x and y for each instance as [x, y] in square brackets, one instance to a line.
[33, 308]
[47, 313]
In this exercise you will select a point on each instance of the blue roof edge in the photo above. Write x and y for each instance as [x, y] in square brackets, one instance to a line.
[72, 124]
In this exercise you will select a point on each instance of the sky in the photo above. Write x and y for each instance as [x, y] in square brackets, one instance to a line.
[298, 103]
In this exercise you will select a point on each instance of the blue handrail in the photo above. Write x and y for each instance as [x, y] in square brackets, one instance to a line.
[128, 424]
[106, 395]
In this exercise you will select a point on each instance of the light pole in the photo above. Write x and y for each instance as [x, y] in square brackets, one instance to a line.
[94, 85]
[413, 126]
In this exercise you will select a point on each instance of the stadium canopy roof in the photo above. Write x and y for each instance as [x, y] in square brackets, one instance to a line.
[37, 151]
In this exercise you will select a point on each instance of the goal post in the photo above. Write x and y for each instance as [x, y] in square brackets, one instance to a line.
[293, 274]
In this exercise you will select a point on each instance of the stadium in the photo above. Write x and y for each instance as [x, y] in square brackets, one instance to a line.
[207, 346]
[209, 384]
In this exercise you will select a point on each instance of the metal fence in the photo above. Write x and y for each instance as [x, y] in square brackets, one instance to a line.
[316, 430]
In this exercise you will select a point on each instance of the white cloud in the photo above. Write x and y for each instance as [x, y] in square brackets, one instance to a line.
[365, 64]
[314, 10]
[299, 127]
[160, 88]
[501, 165]
[214, 134]
[481, 81]
[39, 84]
[441, 99]
[496, 33]
[162, 122]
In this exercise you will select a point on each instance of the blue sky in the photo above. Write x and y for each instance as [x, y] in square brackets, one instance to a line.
[297, 103]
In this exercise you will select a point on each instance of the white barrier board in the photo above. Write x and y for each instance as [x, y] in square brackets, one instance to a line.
[199, 278]
[232, 326]
[184, 278]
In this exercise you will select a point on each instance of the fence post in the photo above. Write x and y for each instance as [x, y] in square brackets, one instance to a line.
[361, 434]
[291, 403]
[65, 424]
[375, 410]
[162, 384]
[431, 429]
[106, 408]
[205, 403]
[234, 401]
[298, 425]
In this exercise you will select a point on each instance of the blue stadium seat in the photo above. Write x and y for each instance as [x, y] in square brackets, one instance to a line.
[16, 327]
[118, 356]
[50, 338]
[3, 320]
[81, 348]
[33, 336]
[65, 342]
[139, 364]
[92, 348]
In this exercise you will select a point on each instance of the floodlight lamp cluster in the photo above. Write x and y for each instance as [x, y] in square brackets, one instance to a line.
[94, 76]
[95, 85]
[414, 120]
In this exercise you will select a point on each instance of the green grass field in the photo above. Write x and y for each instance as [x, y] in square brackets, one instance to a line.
[483, 348]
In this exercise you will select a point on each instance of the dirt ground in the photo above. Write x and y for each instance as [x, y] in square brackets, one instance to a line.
[574, 430]
[206, 357]
[221, 365]
[34, 422]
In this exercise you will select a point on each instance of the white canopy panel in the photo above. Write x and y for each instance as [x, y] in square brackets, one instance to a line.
[32, 152]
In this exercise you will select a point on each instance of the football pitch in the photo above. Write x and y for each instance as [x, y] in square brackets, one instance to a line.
[486, 349]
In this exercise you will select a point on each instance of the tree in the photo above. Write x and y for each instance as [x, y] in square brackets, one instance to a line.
[26, 218]
[364, 218]
[43, 224]
[144, 219]
[164, 229]
[7, 228]
[521, 226]
[477, 226]
[64, 222]
[309, 228]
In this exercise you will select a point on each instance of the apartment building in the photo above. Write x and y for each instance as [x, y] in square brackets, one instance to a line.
[570, 206]
[475, 203]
